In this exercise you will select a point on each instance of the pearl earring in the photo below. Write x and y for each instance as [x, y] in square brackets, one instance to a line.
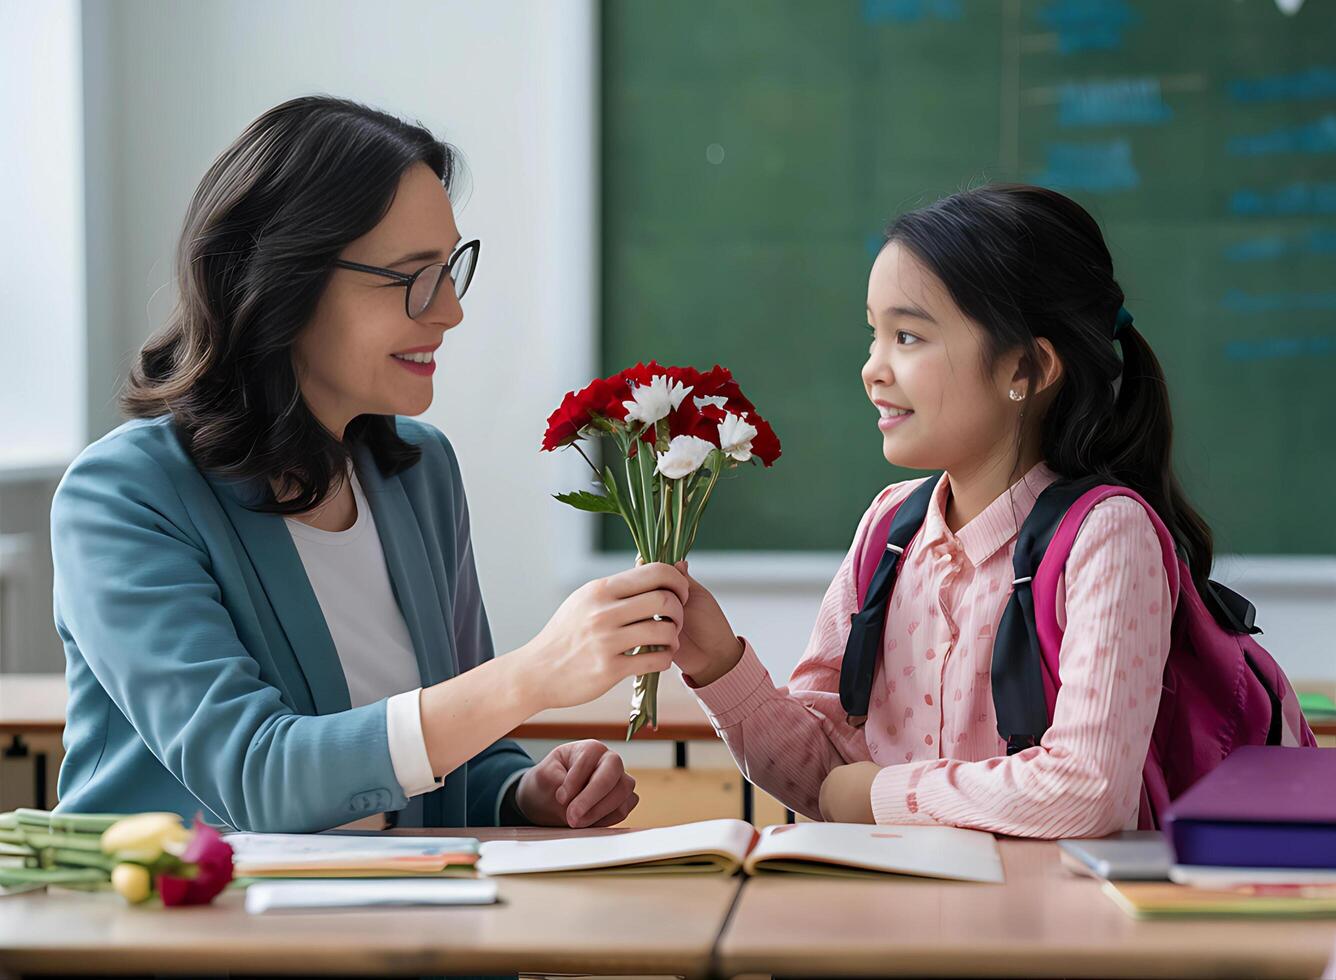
[1016, 396]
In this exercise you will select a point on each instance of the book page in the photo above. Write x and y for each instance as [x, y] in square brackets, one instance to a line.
[833, 848]
[707, 846]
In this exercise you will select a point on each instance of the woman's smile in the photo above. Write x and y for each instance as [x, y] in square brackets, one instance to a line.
[419, 360]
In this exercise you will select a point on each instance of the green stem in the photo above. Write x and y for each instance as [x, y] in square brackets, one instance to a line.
[82, 859]
[51, 876]
[700, 510]
[677, 553]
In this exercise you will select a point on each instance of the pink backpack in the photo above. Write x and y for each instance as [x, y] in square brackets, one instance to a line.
[1221, 688]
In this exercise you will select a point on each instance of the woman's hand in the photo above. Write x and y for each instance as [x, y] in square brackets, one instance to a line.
[579, 784]
[846, 793]
[708, 647]
[580, 653]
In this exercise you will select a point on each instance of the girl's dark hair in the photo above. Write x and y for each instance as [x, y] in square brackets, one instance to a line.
[266, 222]
[1026, 262]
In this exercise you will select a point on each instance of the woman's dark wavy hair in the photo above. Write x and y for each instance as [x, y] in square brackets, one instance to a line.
[1026, 262]
[266, 222]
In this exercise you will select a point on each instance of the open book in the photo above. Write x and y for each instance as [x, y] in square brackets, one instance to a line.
[724, 846]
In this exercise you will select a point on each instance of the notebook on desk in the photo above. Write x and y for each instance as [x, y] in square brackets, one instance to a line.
[335, 856]
[727, 846]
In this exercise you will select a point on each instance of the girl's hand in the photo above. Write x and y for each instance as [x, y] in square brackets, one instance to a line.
[708, 647]
[579, 784]
[580, 653]
[846, 793]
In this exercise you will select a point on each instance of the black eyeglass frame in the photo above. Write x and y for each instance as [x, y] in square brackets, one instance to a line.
[407, 280]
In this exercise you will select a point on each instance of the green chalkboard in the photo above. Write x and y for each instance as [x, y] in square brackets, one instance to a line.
[753, 151]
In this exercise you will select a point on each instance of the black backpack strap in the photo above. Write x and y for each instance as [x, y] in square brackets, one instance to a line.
[867, 627]
[1018, 680]
[1231, 610]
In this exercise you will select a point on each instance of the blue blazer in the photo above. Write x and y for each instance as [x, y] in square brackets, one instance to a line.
[201, 673]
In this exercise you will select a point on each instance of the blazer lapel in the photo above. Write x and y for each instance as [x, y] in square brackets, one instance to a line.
[279, 568]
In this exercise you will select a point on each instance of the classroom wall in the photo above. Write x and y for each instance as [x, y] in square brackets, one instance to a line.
[522, 107]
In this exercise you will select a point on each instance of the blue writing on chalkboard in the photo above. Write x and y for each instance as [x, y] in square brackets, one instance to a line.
[1088, 25]
[1094, 167]
[910, 11]
[1314, 137]
[1318, 82]
[1238, 301]
[1316, 241]
[1280, 347]
[1299, 198]
[1123, 101]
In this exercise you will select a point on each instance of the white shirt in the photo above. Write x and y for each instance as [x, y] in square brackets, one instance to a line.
[348, 575]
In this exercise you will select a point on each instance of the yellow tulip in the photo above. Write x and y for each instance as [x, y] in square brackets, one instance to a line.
[132, 882]
[145, 836]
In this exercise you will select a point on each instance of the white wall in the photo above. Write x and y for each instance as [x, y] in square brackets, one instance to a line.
[42, 248]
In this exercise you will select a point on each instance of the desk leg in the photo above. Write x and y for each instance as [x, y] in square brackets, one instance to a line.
[748, 800]
[789, 816]
[679, 755]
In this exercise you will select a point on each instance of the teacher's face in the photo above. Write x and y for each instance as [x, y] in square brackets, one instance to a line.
[361, 353]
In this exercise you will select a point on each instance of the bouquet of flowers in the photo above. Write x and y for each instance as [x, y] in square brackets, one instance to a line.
[675, 430]
[136, 856]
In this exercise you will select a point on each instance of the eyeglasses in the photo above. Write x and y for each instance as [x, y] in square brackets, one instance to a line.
[423, 284]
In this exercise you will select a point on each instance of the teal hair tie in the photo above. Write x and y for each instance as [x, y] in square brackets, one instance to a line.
[1123, 321]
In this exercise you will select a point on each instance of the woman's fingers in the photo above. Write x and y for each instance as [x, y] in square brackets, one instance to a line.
[646, 634]
[620, 814]
[585, 757]
[648, 578]
[610, 803]
[645, 663]
[607, 774]
[660, 603]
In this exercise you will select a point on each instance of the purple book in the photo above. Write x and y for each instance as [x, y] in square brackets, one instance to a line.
[1263, 807]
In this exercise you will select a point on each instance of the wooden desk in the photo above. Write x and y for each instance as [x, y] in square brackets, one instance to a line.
[34, 704]
[543, 925]
[1043, 922]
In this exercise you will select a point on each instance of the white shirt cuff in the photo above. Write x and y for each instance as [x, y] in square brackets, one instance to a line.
[408, 747]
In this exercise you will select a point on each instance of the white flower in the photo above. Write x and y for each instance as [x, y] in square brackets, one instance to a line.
[735, 437]
[718, 401]
[685, 455]
[654, 401]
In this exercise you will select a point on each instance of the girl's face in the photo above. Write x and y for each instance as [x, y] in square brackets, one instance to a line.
[348, 358]
[940, 407]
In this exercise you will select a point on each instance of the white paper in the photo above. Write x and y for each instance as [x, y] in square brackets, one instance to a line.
[1212, 877]
[279, 896]
[926, 851]
[728, 838]
[297, 849]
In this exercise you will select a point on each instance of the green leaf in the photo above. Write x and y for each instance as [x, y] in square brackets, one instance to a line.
[590, 502]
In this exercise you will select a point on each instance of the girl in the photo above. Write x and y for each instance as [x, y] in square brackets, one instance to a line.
[265, 582]
[996, 331]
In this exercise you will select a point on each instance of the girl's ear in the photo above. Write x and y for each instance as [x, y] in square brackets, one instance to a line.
[1041, 369]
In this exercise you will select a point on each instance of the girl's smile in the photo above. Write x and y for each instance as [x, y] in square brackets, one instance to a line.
[891, 415]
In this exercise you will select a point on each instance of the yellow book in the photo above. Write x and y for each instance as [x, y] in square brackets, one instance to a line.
[1158, 900]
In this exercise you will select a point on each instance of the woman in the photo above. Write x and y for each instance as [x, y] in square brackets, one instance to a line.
[264, 582]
